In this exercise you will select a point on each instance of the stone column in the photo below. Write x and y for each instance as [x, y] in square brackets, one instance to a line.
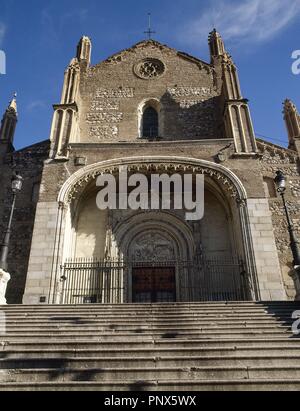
[266, 254]
[4, 279]
[43, 252]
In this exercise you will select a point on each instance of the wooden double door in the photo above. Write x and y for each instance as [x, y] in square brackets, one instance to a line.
[153, 285]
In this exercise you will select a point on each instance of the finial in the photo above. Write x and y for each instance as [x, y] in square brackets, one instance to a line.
[216, 43]
[84, 49]
[288, 105]
[13, 103]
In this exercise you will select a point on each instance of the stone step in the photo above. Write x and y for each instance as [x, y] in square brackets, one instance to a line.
[156, 328]
[20, 326]
[63, 360]
[138, 347]
[155, 319]
[34, 322]
[134, 323]
[83, 351]
[145, 311]
[264, 384]
[149, 343]
[149, 309]
[162, 305]
[146, 373]
[123, 336]
[149, 316]
[162, 333]
[156, 307]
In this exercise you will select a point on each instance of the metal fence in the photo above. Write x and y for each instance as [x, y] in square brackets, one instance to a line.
[86, 281]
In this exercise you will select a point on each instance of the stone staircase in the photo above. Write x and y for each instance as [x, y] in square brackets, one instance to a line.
[171, 347]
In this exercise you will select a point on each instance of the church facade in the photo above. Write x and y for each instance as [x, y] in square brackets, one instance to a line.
[151, 110]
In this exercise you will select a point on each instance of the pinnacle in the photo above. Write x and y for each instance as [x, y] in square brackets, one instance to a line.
[13, 103]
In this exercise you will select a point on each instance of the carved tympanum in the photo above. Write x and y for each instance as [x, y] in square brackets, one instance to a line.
[152, 246]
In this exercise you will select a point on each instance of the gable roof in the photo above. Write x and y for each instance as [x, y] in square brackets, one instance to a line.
[154, 44]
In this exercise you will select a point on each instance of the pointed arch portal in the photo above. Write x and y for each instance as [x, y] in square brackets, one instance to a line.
[156, 255]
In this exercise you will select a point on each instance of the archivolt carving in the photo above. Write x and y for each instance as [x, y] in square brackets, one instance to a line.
[77, 188]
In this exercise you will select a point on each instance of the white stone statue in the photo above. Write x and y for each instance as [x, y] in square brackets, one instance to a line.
[4, 279]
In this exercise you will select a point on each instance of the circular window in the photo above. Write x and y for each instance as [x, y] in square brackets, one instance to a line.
[149, 69]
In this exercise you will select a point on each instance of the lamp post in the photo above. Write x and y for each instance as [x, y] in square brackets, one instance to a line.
[16, 187]
[280, 181]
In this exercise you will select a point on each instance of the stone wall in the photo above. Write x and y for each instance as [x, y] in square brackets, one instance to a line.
[274, 159]
[29, 163]
[112, 95]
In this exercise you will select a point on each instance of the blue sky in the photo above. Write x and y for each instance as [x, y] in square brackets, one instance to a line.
[40, 37]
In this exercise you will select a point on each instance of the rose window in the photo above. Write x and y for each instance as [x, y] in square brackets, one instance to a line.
[150, 68]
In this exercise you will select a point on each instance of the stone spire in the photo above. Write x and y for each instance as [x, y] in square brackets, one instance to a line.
[9, 122]
[292, 121]
[236, 119]
[65, 128]
[216, 44]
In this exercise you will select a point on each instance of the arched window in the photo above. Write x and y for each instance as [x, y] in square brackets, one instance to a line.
[150, 123]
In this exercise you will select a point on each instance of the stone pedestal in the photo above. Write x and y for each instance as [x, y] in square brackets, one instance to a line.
[4, 279]
[296, 278]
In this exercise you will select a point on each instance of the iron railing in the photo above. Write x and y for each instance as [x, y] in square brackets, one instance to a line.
[109, 281]
[92, 281]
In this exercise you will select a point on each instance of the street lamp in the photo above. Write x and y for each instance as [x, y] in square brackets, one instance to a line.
[16, 187]
[280, 181]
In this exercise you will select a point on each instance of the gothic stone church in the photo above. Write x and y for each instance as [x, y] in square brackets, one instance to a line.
[152, 109]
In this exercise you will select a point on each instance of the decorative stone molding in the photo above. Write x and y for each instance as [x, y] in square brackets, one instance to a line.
[227, 60]
[241, 203]
[132, 236]
[78, 181]
[272, 154]
[4, 279]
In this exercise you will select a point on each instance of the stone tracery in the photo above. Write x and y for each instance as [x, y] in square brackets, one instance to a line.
[149, 68]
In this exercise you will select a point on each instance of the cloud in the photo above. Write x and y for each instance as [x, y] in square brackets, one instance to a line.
[36, 105]
[249, 21]
[2, 32]
[55, 25]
